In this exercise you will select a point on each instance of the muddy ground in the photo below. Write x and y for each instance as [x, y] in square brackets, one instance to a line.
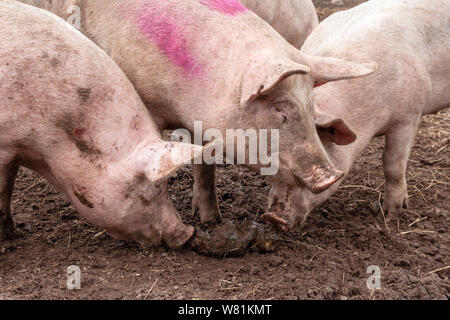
[326, 259]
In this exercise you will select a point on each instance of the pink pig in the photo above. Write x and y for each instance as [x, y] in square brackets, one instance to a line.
[410, 40]
[68, 112]
[217, 62]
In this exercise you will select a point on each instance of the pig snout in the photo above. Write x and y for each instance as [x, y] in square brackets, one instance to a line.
[278, 221]
[315, 170]
[320, 179]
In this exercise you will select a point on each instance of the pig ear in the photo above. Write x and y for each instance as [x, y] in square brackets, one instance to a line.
[333, 129]
[163, 159]
[324, 69]
[264, 77]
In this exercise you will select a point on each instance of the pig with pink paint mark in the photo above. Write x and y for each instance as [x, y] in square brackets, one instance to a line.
[293, 19]
[410, 40]
[217, 62]
[68, 112]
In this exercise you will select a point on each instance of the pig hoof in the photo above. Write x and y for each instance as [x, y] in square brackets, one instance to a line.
[211, 223]
[276, 221]
[406, 204]
[208, 211]
[224, 241]
[394, 210]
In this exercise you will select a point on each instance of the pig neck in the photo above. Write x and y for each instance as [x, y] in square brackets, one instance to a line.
[335, 99]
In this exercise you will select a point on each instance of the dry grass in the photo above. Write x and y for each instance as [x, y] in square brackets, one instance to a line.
[433, 172]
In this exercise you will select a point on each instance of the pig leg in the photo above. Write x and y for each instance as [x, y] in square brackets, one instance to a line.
[7, 178]
[204, 200]
[399, 143]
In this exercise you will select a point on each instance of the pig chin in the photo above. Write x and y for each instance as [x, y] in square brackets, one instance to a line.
[285, 214]
[319, 179]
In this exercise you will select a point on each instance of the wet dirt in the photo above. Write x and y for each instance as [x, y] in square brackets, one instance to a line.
[327, 258]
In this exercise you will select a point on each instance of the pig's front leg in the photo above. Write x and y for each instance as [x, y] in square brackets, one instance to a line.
[399, 142]
[7, 178]
[204, 199]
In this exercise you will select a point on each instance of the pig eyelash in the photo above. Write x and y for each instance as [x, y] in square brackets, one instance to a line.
[280, 110]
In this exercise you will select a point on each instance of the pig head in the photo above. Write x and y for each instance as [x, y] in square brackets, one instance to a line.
[130, 200]
[277, 93]
[289, 205]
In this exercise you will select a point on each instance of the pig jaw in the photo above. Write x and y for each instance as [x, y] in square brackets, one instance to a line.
[123, 200]
[139, 212]
[283, 212]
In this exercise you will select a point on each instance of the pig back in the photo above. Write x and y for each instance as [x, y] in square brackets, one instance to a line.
[53, 80]
[406, 38]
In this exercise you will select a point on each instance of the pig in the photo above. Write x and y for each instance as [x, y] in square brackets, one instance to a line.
[409, 39]
[68, 112]
[293, 19]
[216, 62]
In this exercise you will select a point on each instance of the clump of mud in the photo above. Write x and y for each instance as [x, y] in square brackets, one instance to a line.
[234, 239]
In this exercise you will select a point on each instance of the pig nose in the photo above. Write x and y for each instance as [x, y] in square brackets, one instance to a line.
[277, 221]
[322, 178]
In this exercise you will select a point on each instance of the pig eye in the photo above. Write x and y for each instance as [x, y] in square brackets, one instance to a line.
[280, 110]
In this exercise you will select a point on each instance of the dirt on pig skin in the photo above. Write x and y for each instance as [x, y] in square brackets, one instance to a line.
[327, 258]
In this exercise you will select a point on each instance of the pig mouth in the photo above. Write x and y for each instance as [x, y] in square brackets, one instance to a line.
[321, 179]
[277, 222]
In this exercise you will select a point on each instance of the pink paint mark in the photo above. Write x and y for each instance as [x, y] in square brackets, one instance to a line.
[231, 7]
[167, 33]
